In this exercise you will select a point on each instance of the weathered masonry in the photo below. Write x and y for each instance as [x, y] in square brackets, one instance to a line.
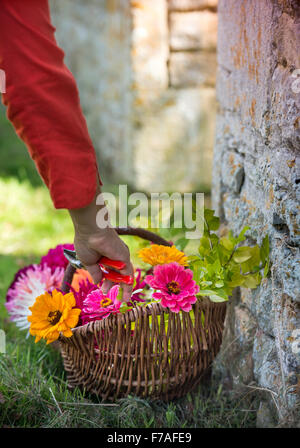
[146, 73]
[256, 181]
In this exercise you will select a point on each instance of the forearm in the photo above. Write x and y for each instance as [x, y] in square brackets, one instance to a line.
[84, 219]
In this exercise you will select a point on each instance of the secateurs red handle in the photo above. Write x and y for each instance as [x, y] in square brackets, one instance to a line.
[112, 263]
[107, 273]
[116, 277]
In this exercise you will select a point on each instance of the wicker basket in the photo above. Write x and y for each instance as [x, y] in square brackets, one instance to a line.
[148, 351]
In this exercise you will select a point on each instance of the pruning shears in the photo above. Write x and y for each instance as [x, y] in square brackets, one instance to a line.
[107, 273]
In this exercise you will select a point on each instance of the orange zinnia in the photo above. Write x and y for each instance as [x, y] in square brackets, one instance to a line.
[80, 276]
[158, 254]
[52, 314]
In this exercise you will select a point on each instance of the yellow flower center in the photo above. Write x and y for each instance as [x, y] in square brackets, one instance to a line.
[105, 302]
[173, 287]
[54, 317]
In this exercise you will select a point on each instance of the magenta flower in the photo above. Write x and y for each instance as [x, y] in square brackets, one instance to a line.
[137, 292]
[55, 257]
[85, 288]
[98, 306]
[175, 286]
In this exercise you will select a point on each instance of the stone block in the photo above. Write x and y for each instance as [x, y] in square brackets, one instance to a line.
[150, 49]
[233, 171]
[192, 69]
[192, 5]
[173, 141]
[193, 31]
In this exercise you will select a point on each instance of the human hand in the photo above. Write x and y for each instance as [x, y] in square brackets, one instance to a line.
[92, 242]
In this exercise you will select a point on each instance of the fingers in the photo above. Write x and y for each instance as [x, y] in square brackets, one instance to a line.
[107, 284]
[127, 289]
[107, 244]
[95, 272]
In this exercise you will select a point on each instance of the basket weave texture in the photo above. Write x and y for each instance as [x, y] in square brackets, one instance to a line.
[148, 351]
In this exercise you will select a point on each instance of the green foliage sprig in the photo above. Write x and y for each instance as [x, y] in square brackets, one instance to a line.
[223, 264]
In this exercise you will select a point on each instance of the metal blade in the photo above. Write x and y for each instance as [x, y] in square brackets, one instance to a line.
[72, 259]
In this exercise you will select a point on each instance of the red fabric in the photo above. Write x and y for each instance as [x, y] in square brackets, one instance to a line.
[43, 103]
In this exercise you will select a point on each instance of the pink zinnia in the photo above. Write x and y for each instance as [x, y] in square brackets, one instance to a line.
[97, 306]
[175, 286]
[85, 288]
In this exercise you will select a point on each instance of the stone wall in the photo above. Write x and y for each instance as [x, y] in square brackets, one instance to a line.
[174, 61]
[256, 182]
[146, 74]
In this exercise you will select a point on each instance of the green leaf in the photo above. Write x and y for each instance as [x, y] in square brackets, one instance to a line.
[236, 280]
[215, 298]
[212, 221]
[214, 239]
[266, 268]
[253, 263]
[181, 243]
[227, 243]
[205, 292]
[218, 292]
[265, 249]
[208, 215]
[124, 307]
[242, 254]
[222, 266]
[204, 248]
[241, 236]
[252, 280]
[193, 259]
[219, 284]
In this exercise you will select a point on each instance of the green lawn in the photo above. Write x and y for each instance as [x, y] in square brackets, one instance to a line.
[34, 392]
[33, 388]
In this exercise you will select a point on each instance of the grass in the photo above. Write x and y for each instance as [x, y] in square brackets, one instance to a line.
[33, 388]
[34, 392]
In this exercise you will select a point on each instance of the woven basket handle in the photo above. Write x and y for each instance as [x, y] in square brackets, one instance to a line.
[142, 233]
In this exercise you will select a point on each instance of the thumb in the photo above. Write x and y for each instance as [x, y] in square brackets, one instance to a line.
[95, 271]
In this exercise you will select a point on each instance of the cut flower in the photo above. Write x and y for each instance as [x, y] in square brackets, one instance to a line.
[80, 276]
[55, 257]
[98, 306]
[52, 314]
[157, 254]
[29, 284]
[174, 286]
